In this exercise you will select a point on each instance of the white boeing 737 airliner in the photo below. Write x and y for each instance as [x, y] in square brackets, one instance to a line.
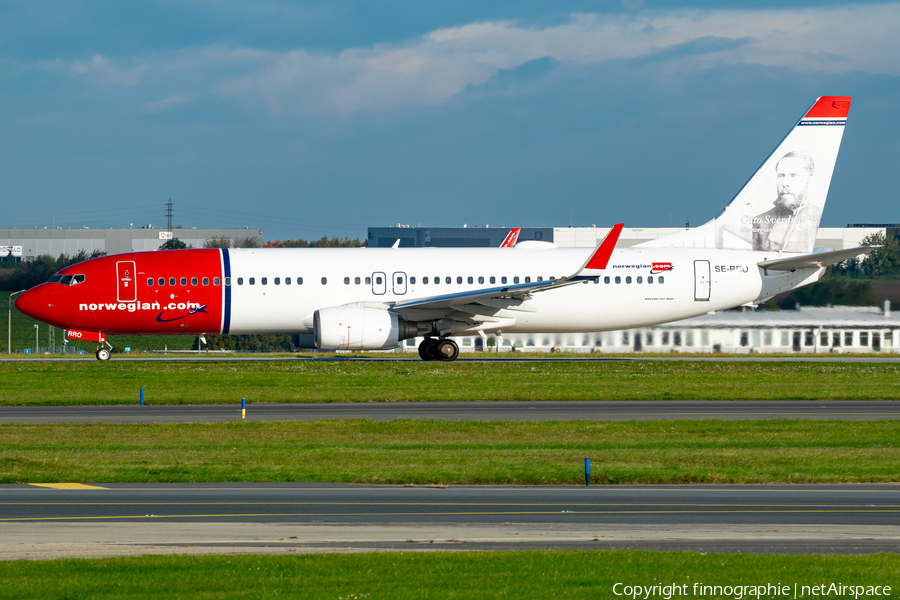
[370, 298]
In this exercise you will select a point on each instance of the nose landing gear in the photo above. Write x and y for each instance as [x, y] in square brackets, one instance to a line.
[102, 354]
[444, 350]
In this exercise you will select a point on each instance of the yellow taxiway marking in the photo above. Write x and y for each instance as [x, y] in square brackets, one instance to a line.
[69, 486]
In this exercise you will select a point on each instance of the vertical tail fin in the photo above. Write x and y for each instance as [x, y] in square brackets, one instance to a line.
[511, 238]
[780, 207]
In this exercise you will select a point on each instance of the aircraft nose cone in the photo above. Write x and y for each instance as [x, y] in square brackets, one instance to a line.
[32, 303]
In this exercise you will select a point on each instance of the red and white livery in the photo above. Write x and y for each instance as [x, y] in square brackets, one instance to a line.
[368, 299]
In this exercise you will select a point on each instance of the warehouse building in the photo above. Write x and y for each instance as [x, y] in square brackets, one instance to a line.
[837, 238]
[836, 329]
[28, 244]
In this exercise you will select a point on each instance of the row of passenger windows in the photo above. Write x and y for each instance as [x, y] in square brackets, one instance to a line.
[183, 281]
[640, 279]
[437, 280]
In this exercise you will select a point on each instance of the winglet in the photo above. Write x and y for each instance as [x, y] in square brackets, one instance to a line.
[511, 238]
[600, 258]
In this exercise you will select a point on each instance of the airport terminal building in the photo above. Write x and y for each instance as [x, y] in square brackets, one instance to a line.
[28, 244]
[837, 238]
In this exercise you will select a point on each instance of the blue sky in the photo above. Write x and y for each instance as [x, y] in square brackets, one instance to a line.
[315, 118]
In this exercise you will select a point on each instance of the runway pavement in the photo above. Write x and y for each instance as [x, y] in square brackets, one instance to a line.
[116, 519]
[462, 411]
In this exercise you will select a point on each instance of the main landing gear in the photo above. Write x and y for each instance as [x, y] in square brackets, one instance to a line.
[102, 354]
[432, 349]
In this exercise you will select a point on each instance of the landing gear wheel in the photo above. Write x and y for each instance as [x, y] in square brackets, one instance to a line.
[447, 350]
[102, 354]
[428, 349]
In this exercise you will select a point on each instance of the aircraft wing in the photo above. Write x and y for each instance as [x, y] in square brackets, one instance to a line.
[809, 261]
[509, 297]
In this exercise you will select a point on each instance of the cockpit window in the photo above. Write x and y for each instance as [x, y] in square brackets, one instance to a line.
[67, 279]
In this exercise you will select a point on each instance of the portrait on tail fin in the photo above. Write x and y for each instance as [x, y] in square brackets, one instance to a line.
[791, 224]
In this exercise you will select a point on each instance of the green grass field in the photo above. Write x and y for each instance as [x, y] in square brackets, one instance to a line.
[424, 452]
[530, 574]
[93, 382]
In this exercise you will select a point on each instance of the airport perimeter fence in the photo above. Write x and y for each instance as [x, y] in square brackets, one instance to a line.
[51, 350]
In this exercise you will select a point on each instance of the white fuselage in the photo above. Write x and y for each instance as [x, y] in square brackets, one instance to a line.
[678, 292]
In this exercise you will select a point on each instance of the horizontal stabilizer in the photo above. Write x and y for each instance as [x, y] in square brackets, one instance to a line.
[811, 261]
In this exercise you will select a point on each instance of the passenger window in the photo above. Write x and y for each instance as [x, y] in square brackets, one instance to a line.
[540, 278]
[324, 281]
[493, 280]
[368, 280]
[264, 281]
[640, 279]
[346, 281]
[481, 280]
[606, 279]
[527, 279]
[424, 280]
[149, 281]
[399, 281]
[503, 279]
[171, 281]
[278, 281]
[184, 281]
[216, 281]
[356, 280]
[661, 280]
[378, 280]
[628, 279]
[299, 281]
[252, 281]
[448, 280]
[287, 281]
[618, 279]
[412, 280]
[650, 279]
[459, 280]
[193, 281]
[470, 280]
[240, 281]
[161, 281]
[206, 281]
[596, 280]
[516, 279]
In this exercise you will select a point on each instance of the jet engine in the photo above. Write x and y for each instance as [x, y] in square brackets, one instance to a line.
[353, 327]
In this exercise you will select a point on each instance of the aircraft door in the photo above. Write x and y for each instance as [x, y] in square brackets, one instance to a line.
[701, 280]
[126, 281]
[399, 282]
[379, 283]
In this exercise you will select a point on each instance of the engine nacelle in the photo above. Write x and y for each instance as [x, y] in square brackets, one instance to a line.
[353, 327]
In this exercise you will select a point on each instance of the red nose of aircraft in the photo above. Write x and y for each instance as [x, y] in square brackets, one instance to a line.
[35, 303]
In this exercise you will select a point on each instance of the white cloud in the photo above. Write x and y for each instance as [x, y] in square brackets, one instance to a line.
[166, 103]
[435, 67]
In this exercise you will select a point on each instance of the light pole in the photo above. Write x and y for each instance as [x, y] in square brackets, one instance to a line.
[9, 322]
[36, 330]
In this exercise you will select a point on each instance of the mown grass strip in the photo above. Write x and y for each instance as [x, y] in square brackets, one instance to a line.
[530, 574]
[69, 383]
[495, 452]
